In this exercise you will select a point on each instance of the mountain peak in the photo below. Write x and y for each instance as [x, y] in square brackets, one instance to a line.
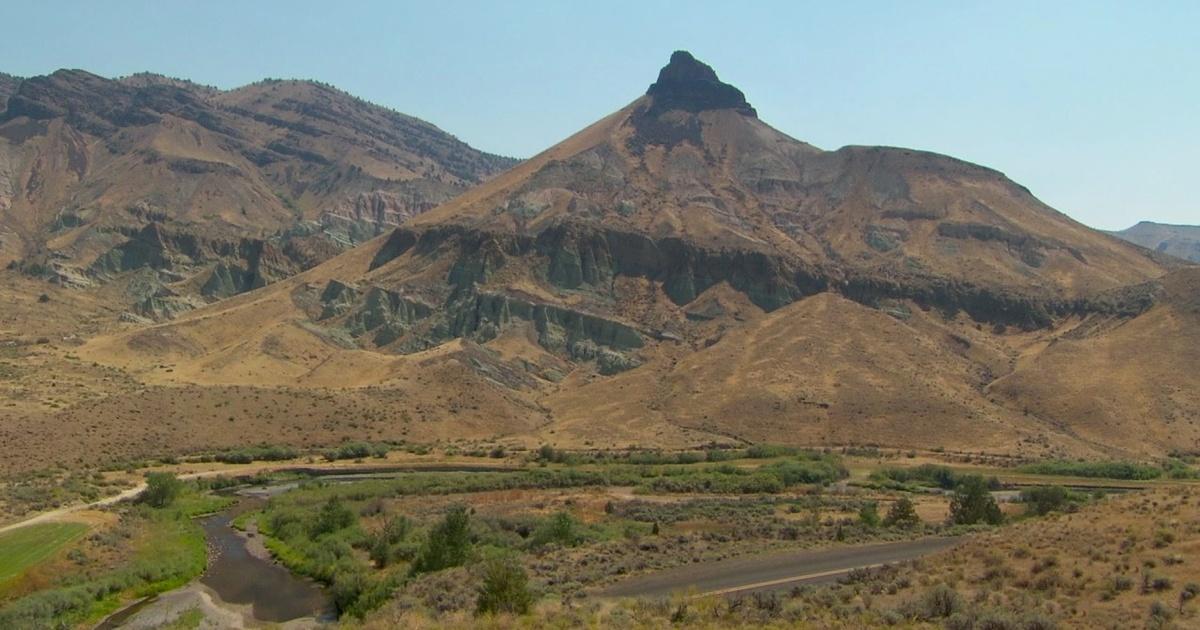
[691, 85]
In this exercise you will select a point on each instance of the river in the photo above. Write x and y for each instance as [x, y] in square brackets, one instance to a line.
[241, 586]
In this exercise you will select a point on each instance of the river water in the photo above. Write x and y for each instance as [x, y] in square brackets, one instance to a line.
[239, 576]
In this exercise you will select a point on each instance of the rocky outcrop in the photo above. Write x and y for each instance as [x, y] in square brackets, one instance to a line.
[691, 85]
[573, 256]
[406, 324]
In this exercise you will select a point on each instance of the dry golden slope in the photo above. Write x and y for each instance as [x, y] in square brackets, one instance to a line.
[824, 370]
[1131, 383]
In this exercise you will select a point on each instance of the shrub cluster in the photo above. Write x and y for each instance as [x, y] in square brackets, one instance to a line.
[1102, 470]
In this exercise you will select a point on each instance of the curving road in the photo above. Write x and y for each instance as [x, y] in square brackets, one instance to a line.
[773, 571]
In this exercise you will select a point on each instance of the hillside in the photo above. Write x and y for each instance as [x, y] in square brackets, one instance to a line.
[681, 273]
[1181, 241]
[185, 194]
[8, 85]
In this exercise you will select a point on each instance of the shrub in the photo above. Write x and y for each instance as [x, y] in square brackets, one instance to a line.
[902, 514]
[357, 450]
[767, 451]
[925, 474]
[504, 588]
[1045, 499]
[560, 529]
[448, 544]
[1189, 592]
[868, 514]
[1160, 615]
[973, 503]
[347, 586]
[1104, 470]
[265, 453]
[383, 544]
[939, 602]
[334, 515]
[161, 490]
[810, 470]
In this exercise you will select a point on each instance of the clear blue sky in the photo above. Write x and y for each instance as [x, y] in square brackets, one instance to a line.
[1095, 106]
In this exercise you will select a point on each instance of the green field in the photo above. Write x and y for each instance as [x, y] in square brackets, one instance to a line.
[27, 546]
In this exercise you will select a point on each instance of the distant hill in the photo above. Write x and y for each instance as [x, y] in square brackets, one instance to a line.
[1181, 241]
[182, 193]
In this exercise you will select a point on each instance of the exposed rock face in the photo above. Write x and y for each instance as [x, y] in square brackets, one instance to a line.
[693, 86]
[383, 317]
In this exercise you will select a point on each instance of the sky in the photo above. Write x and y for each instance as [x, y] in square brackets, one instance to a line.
[1092, 105]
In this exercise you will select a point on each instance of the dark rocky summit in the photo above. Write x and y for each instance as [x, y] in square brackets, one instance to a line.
[691, 85]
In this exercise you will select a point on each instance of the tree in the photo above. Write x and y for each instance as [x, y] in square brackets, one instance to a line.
[973, 503]
[902, 514]
[334, 515]
[505, 587]
[161, 489]
[868, 514]
[448, 544]
[394, 531]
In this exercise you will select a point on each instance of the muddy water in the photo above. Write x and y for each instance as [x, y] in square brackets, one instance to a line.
[240, 577]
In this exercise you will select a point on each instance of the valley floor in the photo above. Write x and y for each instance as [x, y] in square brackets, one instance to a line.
[766, 536]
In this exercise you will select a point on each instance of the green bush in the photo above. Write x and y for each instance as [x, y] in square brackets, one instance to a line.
[161, 489]
[973, 503]
[1043, 500]
[902, 514]
[767, 451]
[357, 450]
[448, 544]
[1102, 470]
[334, 515]
[264, 453]
[504, 588]
[560, 529]
[924, 475]
[868, 514]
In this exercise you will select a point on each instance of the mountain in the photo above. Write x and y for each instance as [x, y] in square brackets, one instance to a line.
[1181, 241]
[8, 85]
[186, 193]
[680, 273]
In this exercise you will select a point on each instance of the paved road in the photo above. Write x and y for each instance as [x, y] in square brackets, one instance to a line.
[773, 571]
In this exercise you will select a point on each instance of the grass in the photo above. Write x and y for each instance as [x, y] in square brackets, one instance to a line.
[28, 546]
[160, 550]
